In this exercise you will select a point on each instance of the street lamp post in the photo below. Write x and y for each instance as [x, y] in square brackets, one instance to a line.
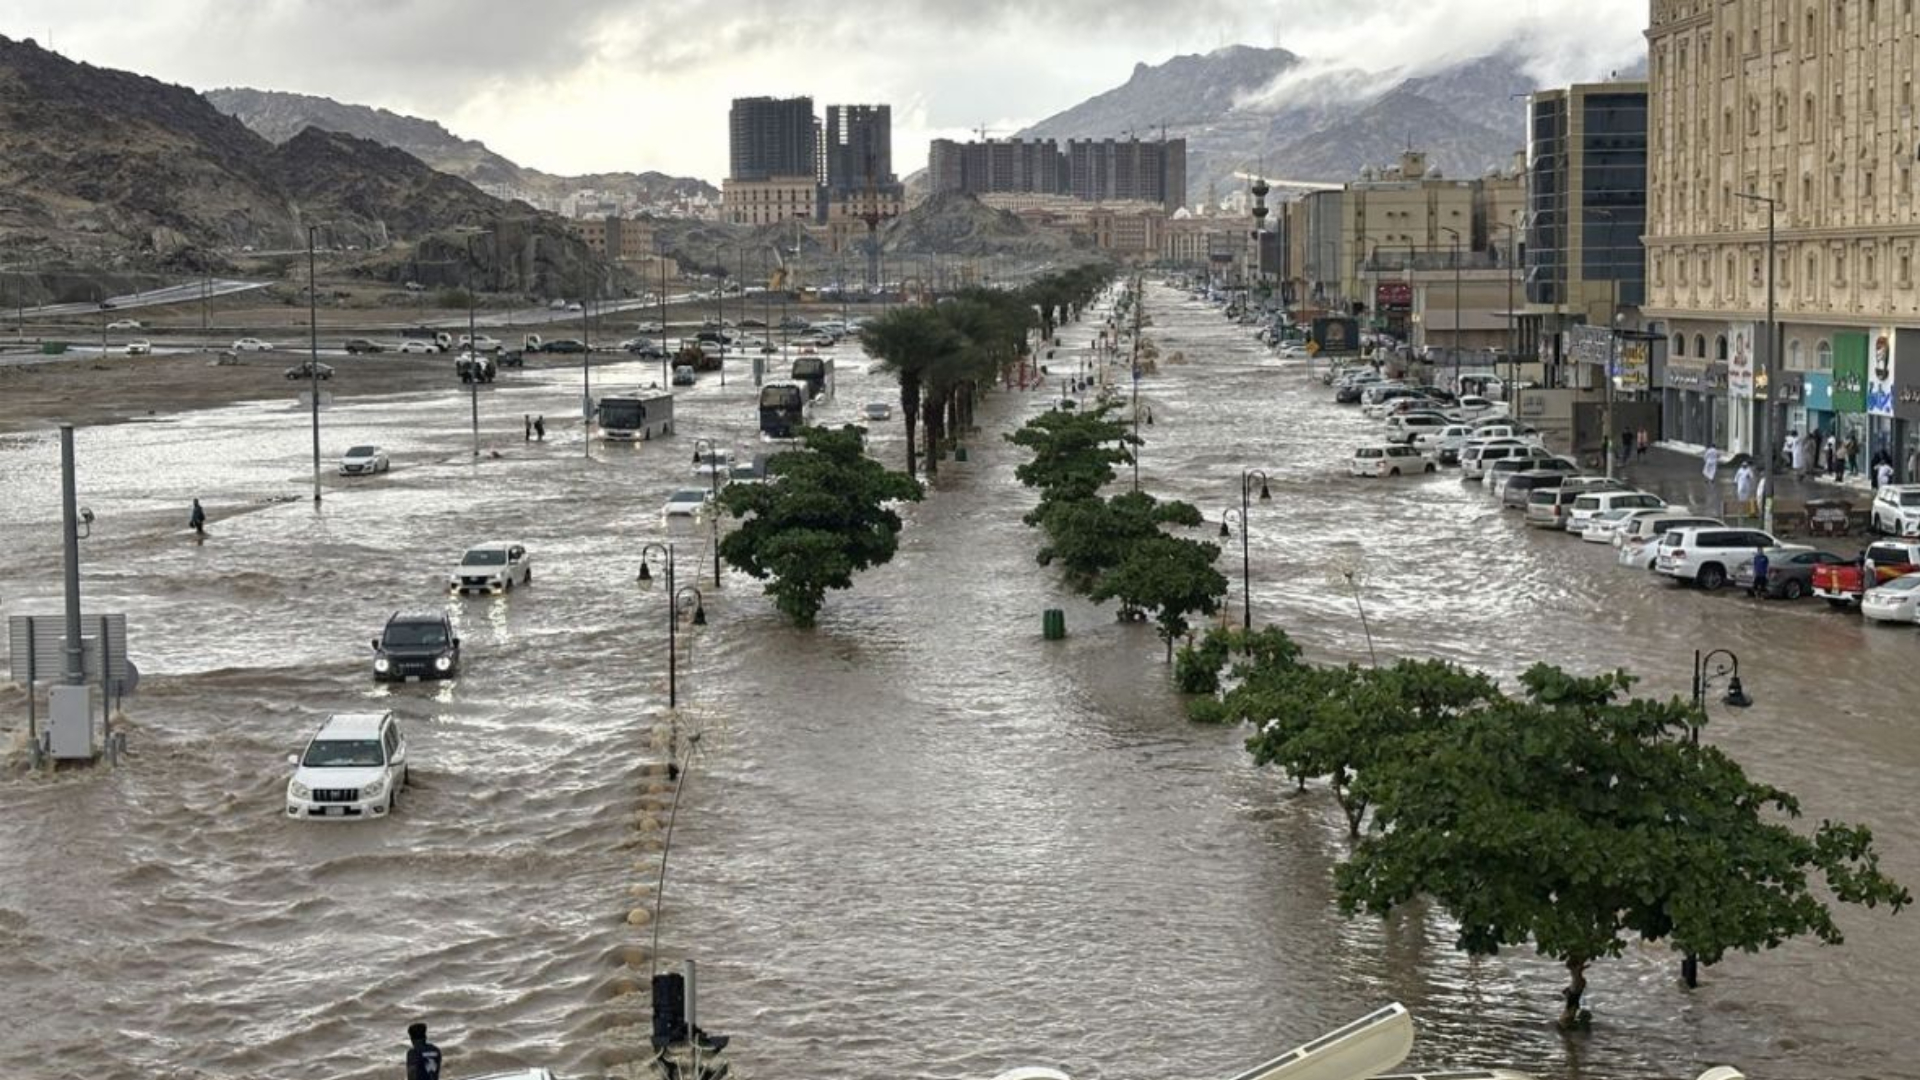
[313, 363]
[1767, 369]
[1247, 479]
[1513, 344]
[1455, 233]
[712, 457]
[1709, 668]
[675, 605]
[473, 355]
[586, 369]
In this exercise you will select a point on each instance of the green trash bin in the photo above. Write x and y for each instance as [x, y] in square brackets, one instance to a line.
[1053, 624]
[959, 453]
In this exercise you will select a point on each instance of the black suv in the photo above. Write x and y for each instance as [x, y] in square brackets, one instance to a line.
[416, 646]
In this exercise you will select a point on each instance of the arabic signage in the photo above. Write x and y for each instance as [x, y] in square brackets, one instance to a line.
[1740, 360]
[1880, 375]
[1589, 344]
[1906, 380]
[1793, 387]
[1632, 374]
[1393, 296]
[1696, 378]
[1849, 373]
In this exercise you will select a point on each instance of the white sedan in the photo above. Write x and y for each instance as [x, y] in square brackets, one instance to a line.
[248, 344]
[687, 502]
[1896, 601]
[139, 348]
[418, 345]
[124, 324]
[362, 460]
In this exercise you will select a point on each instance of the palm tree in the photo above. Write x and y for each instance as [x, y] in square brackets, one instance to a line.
[910, 343]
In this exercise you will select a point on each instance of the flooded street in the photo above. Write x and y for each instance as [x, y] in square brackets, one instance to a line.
[916, 841]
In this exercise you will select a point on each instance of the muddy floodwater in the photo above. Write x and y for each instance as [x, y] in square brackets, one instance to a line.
[916, 841]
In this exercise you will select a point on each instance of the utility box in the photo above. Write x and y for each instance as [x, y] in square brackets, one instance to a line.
[70, 723]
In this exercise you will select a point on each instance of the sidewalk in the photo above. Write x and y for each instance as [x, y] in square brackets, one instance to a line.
[1675, 476]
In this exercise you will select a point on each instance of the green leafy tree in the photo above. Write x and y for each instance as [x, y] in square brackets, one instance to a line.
[1579, 822]
[1171, 577]
[1074, 455]
[1088, 537]
[822, 516]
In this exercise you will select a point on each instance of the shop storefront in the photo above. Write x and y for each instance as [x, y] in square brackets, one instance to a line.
[1818, 400]
[1787, 394]
[1693, 402]
[1906, 406]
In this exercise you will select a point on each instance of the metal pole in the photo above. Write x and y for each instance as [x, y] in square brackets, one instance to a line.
[1607, 448]
[673, 630]
[586, 379]
[1769, 370]
[313, 364]
[473, 354]
[1456, 312]
[70, 542]
[1246, 563]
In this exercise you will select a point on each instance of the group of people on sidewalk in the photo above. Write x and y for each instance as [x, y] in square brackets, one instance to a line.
[1811, 456]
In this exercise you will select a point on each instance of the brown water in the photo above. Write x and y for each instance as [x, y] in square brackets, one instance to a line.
[917, 841]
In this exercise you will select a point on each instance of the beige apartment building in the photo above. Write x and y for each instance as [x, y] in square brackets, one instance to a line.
[766, 202]
[1809, 104]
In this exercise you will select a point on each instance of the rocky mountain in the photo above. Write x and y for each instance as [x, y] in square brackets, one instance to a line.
[106, 168]
[280, 116]
[1243, 109]
[955, 223]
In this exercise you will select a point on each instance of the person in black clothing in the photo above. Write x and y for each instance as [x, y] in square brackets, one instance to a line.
[540, 428]
[423, 1058]
[197, 519]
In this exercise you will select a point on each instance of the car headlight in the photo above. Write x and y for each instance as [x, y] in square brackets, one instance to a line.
[381, 664]
[443, 663]
[298, 790]
[374, 790]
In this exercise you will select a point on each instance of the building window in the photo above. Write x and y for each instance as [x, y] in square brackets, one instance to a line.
[1823, 355]
[1839, 268]
[1779, 110]
[1869, 263]
[1806, 191]
[1679, 345]
[1866, 183]
[1783, 30]
[1813, 270]
[1720, 346]
[1872, 99]
[1700, 346]
[1796, 357]
[1839, 103]
[1906, 270]
[1755, 279]
[1807, 117]
[1726, 123]
[1753, 116]
[1812, 26]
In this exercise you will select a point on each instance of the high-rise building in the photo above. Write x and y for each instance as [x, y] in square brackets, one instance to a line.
[772, 137]
[859, 148]
[1021, 166]
[1806, 110]
[1127, 169]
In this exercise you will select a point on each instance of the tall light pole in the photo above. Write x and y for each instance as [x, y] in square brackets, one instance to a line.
[1247, 479]
[473, 354]
[586, 370]
[1513, 344]
[1768, 366]
[313, 363]
[712, 454]
[1455, 233]
[1707, 669]
[674, 607]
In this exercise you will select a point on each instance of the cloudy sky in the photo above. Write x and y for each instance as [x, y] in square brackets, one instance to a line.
[573, 86]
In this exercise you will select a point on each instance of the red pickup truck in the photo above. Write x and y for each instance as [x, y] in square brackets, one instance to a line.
[1840, 585]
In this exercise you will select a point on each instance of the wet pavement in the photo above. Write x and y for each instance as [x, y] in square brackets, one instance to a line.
[915, 841]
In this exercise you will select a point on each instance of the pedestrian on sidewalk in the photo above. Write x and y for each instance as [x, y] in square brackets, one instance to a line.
[1882, 474]
[1760, 567]
[1710, 466]
[1797, 454]
[1640, 442]
[1836, 464]
[1743, 485]
[1913, 465]
[1851, 462]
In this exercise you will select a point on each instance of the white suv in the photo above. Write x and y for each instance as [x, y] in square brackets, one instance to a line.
[492, 567]
[1896, 509]
[1708, 556]
[1587, 507]
[1388, 460]
[353, 767]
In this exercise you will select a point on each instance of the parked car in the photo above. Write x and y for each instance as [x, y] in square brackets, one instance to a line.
[1896, 509]
[651, 327]
[564, 345]
[1840, 584]
[415, 646]
[686, 502]
[493, 567]
[1495, 478]
[141, 347]
[1895, 601]
[359, 346]
[1404, 427]
[752, 324]
[1442, 444]
[1607, 526]
[1586, 506]
[124, 324]
[353, 767]
[1547, 508]
[683, 375]
[1789, 570]
[247, 344]
[878, 410]
[481, 343]
[1640, 540]
[1475, 407]
[1476, 460]
[793, 322]
[708, 462]
[310, 369]
[1520, 486]
[361, 460]
[1387, 460]
[1707, 557]
[418, 345]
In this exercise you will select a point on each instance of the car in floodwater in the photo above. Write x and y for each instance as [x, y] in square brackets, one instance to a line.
[1389, 460]
[878, 410]
[418, 345]
[360, 346]
[352, 769]
[1789, 570]
[363, 461]
[310, 369]
[247, 344]
[687, 502]
[493, 567]
[140, 348]
[415, 646]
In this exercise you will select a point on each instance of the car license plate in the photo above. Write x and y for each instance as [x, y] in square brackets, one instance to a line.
[413, 678]
[334, 811]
